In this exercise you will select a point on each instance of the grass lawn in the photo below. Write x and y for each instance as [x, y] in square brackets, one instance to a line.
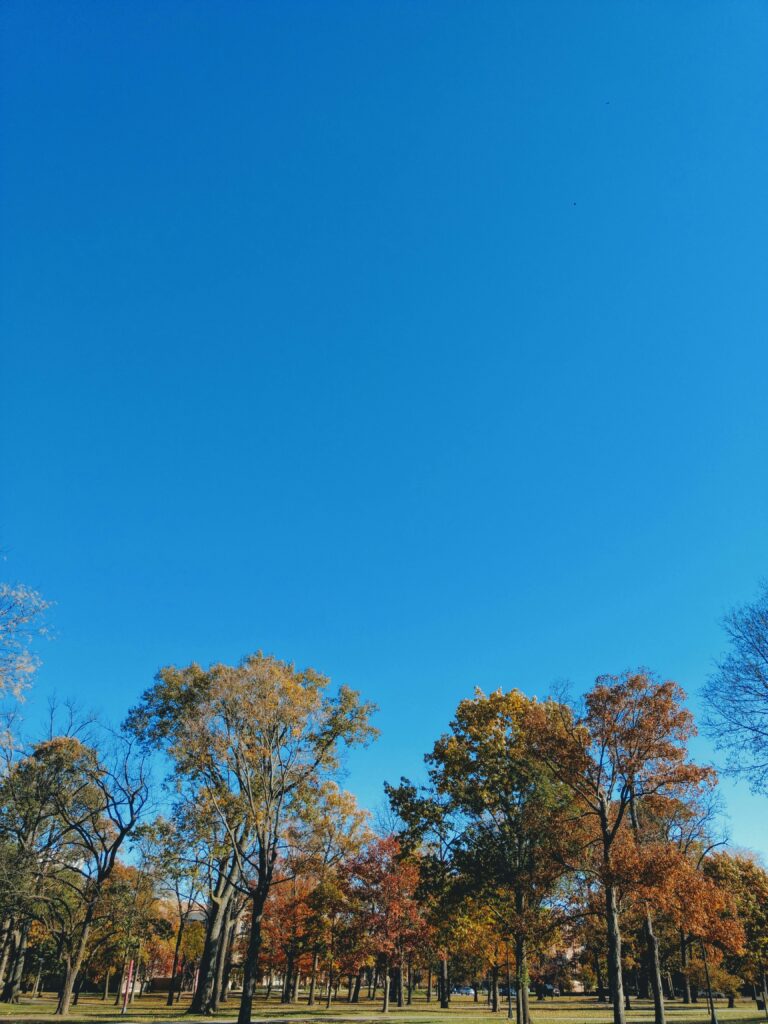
[565, 1009]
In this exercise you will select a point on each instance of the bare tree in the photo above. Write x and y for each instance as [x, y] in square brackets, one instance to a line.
[106, 790]
[737, 695]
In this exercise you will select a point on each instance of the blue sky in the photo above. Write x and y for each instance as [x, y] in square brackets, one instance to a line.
[422, 343]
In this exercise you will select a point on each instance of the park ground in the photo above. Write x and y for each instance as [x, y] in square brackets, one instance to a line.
[563, 1010]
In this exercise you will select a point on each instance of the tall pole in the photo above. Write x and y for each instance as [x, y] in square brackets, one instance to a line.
[128, 987]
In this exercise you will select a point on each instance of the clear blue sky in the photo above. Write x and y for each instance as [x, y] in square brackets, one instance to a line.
[423, 343]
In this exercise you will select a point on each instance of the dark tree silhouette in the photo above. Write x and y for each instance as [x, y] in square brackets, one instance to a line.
[737, 695]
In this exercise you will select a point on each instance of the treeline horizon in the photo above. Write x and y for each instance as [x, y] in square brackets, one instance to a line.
[552, 844]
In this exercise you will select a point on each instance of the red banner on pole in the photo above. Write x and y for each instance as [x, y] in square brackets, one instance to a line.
[128, 986]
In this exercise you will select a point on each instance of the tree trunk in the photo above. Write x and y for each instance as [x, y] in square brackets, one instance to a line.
[684, 967]
[521, 962]
[38, 976]
[73, 967]
[12, 986]
[313, 979]
[651, 942]
[107, 974]
[221, 897]
[77, 988]
[444, 997]
[614, 953]
[519, 998]
[175, 968]
[599, 979]
[121, 979]
[400, 978]
[285, 995]
[654, 969]
[385, 972]
[410, 982]
[182, 972]
[7, 943]
[643, 979]
[429, 984]
[764, 983]
[510, 1011]
[495, 988]
[206, 972]
[358, 985]
[254, 948]
[222, 955]
[521, 980]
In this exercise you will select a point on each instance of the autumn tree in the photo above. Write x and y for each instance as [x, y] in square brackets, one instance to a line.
[587, 928]
[428, 826]
[628, 743]
[32, 843]
[746, 881]
[255, 741]
[381, 888]
[511, 813]
[680, 828]
[706, 913]
[479, 944]
[67, 808]
[129, 920]
[332, 830]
